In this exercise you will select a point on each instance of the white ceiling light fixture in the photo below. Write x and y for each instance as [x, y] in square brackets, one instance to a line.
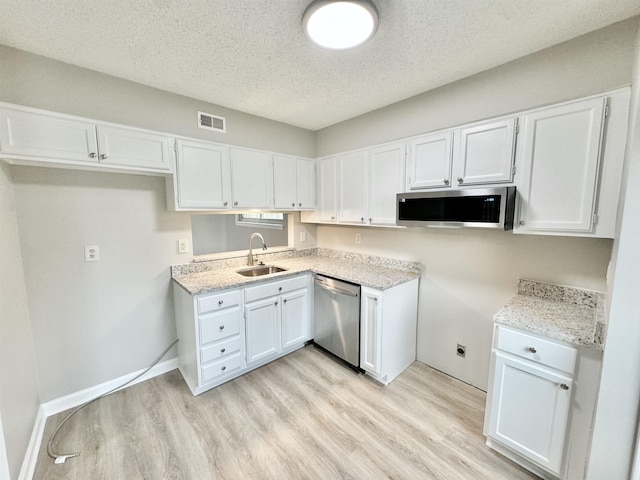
[340, 24]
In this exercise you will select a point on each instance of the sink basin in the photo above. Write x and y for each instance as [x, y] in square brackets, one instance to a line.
[261, 270]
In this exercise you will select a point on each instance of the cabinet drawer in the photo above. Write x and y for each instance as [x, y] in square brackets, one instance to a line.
[221, 367]
[275, 288]
[218, 301]
[545, 352]
[220, 349]
[217, 327]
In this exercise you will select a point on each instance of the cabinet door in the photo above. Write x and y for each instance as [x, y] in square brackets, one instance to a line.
[263, 329]
[47, 137]
[530, 410]
[295, 318]
[133, 148]
[429, 161]
[252, 178]
[203, 175]
[284, 182]
[560, 158]
[386, 180]
[485, 153]
[371, 331]
[327, 181]
[306, 184]
[352, 192]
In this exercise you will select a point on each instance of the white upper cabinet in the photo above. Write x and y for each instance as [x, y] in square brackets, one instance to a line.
[127, 147]
[560, 164]
[327, 183]
[429, 161]
[386, 180]
[352, 191]
[294, 183]
[252, 178]
[39, 136]
[47, 137]
[484, 153]
[203, 176]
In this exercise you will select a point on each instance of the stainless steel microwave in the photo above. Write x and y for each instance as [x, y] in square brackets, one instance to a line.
[472, 207]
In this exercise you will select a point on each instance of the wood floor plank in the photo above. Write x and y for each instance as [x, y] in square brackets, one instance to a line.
[304, 416]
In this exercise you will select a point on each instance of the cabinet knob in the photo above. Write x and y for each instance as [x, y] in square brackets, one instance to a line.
[284, 301]
[333, 218]
[460, 179]
[446, 181]
[564, 386]
[222, 350]
[279, 289]
[362, 219]
[225, 203]
[92, 155]
[532, 349]
[220, 302]
[300, 204]
[221, 327]
[104, 156]
[293, 204]
[521, 222]
[275, 304]
[235, 204]
[223, 368]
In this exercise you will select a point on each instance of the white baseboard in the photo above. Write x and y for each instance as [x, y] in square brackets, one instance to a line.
[74, 400]
[78, 398]
[31, 455]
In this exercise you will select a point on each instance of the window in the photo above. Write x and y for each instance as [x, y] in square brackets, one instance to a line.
[262, 220]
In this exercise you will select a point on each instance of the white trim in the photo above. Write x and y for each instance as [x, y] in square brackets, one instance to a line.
[74, 400]
[78, 398]
[31, 455]
[4, 461]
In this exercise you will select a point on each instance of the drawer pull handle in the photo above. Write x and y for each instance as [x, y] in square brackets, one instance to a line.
[92, 155]
[532, 349]
[223, 368]
[222, 350]
[220, 302]
[564, 386]
[221, 327]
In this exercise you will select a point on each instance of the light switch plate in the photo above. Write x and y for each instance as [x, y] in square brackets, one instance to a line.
[183, 246]
[303, 236]
[358, 238]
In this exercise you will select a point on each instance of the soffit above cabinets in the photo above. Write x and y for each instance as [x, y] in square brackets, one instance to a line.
[252, 56]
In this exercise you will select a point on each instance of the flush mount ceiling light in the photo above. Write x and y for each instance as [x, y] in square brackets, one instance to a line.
[340, 24]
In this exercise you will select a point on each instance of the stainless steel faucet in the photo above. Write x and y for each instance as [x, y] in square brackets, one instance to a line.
[264, 247]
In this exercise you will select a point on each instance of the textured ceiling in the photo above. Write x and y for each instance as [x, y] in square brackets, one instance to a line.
[251, 55]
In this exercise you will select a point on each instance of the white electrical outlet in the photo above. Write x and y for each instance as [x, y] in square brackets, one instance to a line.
[303, 236]
[358, 238]
[183, 246]
[91, 253]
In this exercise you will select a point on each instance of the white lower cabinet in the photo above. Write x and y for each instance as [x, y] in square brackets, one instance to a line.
[225, 334]
[530, 401]
[388, 320]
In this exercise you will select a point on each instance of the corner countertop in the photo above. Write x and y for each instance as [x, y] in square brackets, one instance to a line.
[569, 314]
[369, 271]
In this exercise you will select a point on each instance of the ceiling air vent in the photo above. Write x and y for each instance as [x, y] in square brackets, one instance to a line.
[212, 122]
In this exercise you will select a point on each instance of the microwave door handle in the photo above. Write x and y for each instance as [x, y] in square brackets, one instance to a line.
[335, 290]
[446, 225]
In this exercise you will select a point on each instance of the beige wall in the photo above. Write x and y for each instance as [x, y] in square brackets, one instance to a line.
[616, 425]
[19, 399]
[40, 82]
[589, 64]
[469, 274]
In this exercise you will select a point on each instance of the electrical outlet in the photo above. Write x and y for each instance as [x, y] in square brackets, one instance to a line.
[183, 246]
[358, 238]
[303, 236]
[461, 350]
[91, 253]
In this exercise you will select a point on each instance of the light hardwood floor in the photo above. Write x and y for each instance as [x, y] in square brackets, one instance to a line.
[301, 417]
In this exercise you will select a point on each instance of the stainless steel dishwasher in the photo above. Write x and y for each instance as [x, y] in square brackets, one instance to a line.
[337, 318]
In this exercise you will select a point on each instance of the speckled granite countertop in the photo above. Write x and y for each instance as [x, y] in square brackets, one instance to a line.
[573, 315]
[375, 272]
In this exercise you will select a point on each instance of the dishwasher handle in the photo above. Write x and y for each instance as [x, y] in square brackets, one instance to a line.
[338, 291]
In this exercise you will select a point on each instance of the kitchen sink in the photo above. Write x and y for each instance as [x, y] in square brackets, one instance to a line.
[261, 270]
